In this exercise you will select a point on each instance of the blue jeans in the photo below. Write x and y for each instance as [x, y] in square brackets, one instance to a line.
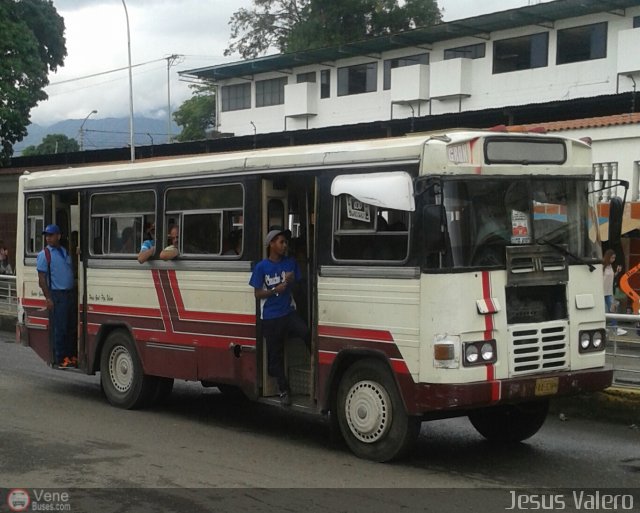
[275, 331]
[608, 303]
[60, 322]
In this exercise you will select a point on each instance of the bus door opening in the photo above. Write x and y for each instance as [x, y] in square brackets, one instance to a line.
[288, 205]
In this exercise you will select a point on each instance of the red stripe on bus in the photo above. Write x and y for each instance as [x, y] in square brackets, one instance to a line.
[399, 366]
[33, 302]
[495, 385]
[355, 333]
[325, 358]
[188, 339]
[39, 321]
[486, 295]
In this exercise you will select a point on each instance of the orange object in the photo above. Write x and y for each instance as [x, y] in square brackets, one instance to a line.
[625, 287]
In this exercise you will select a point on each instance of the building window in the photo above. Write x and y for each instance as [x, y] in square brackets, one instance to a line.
[210, 219]
[236, 97]
[362, 78]
[325, 83]
[400, 62]
[636, 21]
[583, 43]
[476, 51]
[270, 92]
[306, 77]
[520, 53]
[119, 220]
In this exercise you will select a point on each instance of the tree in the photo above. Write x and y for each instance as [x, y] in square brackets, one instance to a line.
[294, 25]
[51, 144]
[197, 114]
[31, 44]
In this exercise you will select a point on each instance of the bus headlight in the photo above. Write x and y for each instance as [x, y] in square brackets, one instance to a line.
[585, 340]
[592, 340]
[471, 353]
[479, 353]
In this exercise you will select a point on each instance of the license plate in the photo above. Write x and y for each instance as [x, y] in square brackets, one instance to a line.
[547, 386]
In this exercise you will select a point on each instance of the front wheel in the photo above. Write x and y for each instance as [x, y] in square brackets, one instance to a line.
[511, 422]
[371, 415]
[121, 375]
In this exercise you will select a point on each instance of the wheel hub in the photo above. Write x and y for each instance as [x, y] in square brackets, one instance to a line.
[120, 369]
[368, 411]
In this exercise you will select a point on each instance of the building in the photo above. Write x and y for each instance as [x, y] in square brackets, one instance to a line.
[550, 52]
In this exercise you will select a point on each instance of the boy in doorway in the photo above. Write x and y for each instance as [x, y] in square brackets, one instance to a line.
[272, 280]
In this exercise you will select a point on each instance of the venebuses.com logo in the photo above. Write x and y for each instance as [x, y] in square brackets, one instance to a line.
[18, 499]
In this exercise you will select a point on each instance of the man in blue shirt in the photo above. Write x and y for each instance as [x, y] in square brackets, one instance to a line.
[272, 280]
[55, 277]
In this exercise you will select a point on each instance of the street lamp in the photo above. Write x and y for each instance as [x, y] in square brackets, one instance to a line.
[133, 150]
[82, 129]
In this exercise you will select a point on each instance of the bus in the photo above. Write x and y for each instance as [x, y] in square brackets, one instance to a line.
[450, 274]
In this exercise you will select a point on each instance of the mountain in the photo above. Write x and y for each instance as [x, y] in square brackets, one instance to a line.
[101, 133]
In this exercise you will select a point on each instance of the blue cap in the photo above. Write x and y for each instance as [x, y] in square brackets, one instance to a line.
[51, 229]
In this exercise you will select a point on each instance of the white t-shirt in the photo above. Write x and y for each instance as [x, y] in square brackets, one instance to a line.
[608, 280]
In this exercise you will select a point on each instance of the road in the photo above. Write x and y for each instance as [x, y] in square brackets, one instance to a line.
[57, 431]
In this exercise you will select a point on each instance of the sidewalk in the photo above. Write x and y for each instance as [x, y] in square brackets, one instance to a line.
[615, 404]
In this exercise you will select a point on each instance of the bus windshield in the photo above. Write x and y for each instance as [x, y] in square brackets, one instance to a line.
[482, 217]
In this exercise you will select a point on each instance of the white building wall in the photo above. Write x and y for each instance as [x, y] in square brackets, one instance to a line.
[484, 90]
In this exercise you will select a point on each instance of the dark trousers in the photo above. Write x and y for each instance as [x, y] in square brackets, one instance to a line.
[275, 332]
[61, 320]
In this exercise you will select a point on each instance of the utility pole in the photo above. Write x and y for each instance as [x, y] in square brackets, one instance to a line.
[171, 60]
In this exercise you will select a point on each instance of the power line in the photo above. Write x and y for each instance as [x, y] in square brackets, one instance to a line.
[104, 72]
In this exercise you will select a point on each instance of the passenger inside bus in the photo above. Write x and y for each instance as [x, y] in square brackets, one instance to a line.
[148, 244]
[172, 251]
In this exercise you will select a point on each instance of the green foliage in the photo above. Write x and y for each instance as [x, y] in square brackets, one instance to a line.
[51, 144]
[296, 25]
[197, 114]
[31, 44]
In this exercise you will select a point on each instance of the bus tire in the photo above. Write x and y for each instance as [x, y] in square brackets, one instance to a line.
[123, 381]
[371, 415]
[510, 423]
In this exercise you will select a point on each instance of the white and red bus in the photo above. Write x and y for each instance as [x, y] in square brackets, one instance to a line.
[444, 275]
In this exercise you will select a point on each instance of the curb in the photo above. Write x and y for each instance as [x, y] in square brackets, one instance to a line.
[614, 404]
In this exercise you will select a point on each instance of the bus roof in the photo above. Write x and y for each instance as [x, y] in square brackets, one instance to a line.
[407, 150]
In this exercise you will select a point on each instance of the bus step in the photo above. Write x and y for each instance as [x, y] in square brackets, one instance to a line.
[299, 380]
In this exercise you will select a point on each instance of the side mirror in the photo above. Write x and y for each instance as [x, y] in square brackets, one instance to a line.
[616, 212]
[432, 221]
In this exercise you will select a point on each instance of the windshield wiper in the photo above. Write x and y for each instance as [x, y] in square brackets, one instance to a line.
[566, 252]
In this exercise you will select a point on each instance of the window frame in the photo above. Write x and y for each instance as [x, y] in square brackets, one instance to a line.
[237, 101]
[33, 245]
[348, 73]
[375, 232]
[517, 43]
[227, 215]
[325, 83]
[270, 92]
[573, 33]
[105, 221]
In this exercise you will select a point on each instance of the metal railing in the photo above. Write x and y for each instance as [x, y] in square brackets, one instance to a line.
[8, 301]
[623, 350]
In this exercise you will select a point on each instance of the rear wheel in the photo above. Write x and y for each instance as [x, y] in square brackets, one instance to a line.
[123, 381]
[371, 415]
[510, 422]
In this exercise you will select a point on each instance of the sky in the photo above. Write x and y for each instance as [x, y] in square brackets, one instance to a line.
[196, 30]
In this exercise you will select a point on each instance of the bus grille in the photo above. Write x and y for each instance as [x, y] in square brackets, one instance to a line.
[538, 348]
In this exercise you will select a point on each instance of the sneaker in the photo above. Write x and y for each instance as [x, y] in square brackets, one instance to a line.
[74, 361]
[67, 363]
[285, 398]
[620, 332]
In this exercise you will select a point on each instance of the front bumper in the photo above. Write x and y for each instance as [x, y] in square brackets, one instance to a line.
[442, 397]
